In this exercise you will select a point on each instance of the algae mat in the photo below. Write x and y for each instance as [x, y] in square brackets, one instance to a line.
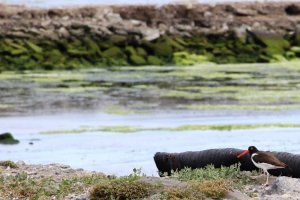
[130, 90]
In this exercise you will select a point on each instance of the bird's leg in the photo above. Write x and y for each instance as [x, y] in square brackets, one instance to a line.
[267, 182]
[261, 171]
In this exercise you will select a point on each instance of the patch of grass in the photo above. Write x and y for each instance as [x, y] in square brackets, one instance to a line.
[233, 176]
[208, 182]
[212, 188]
[186, 193]
[196, 190]
[21, 186]
[8, 163]
[121, 189]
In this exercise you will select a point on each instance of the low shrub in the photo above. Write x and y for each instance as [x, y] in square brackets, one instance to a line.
[120, 189]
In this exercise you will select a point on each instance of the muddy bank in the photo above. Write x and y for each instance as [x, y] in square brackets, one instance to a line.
[147, 35]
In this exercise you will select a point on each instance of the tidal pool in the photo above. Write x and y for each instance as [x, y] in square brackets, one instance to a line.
[118, 153]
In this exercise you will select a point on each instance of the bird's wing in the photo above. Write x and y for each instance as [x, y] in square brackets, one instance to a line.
[263, 156]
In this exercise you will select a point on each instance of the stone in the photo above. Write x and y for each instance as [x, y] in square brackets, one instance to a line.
[77, 32]
[150, 34]
[63, 32]
[240, 11]
[45, 23]
[283, 185]
[113, 18]
[7, 138]
[292, 9]
[162, 28]
[137, 22]
[183, 27]
[236, 195]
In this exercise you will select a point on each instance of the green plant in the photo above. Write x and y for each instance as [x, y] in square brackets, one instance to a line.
[8, 163]
[212, 188]
[232, 174]
[121, 189]
[22, 186]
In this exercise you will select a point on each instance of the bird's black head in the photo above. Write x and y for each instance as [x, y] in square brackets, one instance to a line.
[252, 150]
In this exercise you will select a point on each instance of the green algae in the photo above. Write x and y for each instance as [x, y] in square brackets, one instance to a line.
[118, 110]
[71, 89]
[185, 58]
[230, 127]
[195, 127]
[239, 107]
[6, 105]
[137, 60]
[117, 129]
[119, 50]
[266, 87]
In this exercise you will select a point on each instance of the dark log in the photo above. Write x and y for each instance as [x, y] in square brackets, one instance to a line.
[167, 162]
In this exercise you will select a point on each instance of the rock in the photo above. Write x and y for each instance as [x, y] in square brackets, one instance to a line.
[282, 188]
[45, 23]
[137, 22]
[63, 32]
[183, 27]
[162, 28]
[113, 18]
[208, 14]
[20, 162]
[7, 138]
[150, 34]
[240, 11]
[236, 195]
[77, 32]
[285, 184]
[292, 9]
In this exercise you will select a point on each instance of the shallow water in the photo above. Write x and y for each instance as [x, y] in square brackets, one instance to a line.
[152, 98]
[119, 153]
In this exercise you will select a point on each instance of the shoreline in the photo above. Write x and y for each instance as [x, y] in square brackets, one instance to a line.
[140, 35]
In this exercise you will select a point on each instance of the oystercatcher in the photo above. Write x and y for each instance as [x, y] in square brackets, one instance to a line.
[263, 160]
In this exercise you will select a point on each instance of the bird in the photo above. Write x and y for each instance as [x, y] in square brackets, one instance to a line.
[263, 160]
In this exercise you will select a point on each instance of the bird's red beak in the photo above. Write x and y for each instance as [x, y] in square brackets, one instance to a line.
[243, 153]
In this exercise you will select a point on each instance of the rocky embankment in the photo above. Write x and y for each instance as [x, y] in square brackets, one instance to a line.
[57, 181]
[148, 35]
